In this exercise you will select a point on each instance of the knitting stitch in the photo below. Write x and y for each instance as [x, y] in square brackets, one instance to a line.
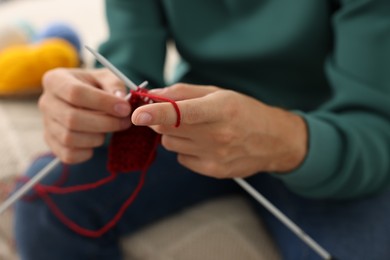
[133, 149]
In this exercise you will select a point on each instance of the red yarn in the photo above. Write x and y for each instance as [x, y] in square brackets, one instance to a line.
[133, 149]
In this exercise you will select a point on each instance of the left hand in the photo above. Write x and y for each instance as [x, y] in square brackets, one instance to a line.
[225, 134]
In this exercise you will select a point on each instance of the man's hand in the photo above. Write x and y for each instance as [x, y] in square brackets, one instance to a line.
[79, 107]
[226, 134]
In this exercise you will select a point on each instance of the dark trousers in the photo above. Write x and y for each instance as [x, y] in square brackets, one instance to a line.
[356, 229]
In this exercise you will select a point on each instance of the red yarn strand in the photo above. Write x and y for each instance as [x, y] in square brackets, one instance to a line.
[43, 191]
[163, 99]
[77, 188]
[86, 232]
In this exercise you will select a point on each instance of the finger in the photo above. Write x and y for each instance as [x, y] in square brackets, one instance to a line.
[184, 131]
[74, 139]
[109, 82]
[182, 91]
[179, 145]
[193, 111]
[78, 119]
[66, 154]
[101, 78]
[66, 86]
[89, 121]
[202, 166]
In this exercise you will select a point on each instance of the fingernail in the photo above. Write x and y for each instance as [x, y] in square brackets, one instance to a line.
[143, 119]
[122, 109]
[119, 93]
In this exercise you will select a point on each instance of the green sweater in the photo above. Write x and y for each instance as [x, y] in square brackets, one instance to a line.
[329, 61]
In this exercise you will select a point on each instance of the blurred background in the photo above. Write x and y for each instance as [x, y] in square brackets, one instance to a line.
[35, 36]
[38, 35]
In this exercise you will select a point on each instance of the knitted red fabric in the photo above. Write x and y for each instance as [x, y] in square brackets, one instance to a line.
[133, 149]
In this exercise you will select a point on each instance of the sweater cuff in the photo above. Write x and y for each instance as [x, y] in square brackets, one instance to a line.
[322, 159]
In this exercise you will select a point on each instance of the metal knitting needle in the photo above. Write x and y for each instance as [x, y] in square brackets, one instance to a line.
[56, 162]
[143, 85]
[283, 218]
[244, 184]
[130, 84]
[26, 187]
[106, 63]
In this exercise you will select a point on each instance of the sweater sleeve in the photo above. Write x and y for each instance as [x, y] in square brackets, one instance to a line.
[349, 135]
[137, 39]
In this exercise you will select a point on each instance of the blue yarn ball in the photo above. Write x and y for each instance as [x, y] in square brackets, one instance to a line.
[63, 31]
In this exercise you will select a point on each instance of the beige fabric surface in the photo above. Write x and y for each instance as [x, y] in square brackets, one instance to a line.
[21, 134]
[224, 228]
[21, 139]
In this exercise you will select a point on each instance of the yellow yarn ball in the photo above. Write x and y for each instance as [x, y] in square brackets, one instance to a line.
[22, 67]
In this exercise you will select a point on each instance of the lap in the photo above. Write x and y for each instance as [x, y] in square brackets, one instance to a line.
[168, 188]
[359, 229]
[350, 229]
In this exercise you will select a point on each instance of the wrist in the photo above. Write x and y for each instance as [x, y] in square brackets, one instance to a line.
[291, 134]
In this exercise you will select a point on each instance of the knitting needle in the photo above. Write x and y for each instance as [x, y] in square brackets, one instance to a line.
[130, 84]
[26, 187]
[245, 185]
[55, 162]
[143, 85]
[106, 63]
[283, 218]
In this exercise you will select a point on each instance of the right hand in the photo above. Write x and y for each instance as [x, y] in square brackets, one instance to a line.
[79, 107]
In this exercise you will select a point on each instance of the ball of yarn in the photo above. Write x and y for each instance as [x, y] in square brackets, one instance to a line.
[63, 31]
[22, 67]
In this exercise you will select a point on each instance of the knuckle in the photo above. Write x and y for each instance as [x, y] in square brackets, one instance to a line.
[166, 142]
[71, 92]
[224, 136]
[99, 140]
[85, 155]
[109, 125]
[212, 168]
[213, 88]
[178, 87]
[114, 82]
[183, 160]
[221, 153]
[71, 156]
[108, 78]
[70, 119]
[230, 105]
[66, 138]
[67, 155]
[158, 129]
[49, 77]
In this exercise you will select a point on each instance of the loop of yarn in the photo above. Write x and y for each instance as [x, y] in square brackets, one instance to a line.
[133, 149]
